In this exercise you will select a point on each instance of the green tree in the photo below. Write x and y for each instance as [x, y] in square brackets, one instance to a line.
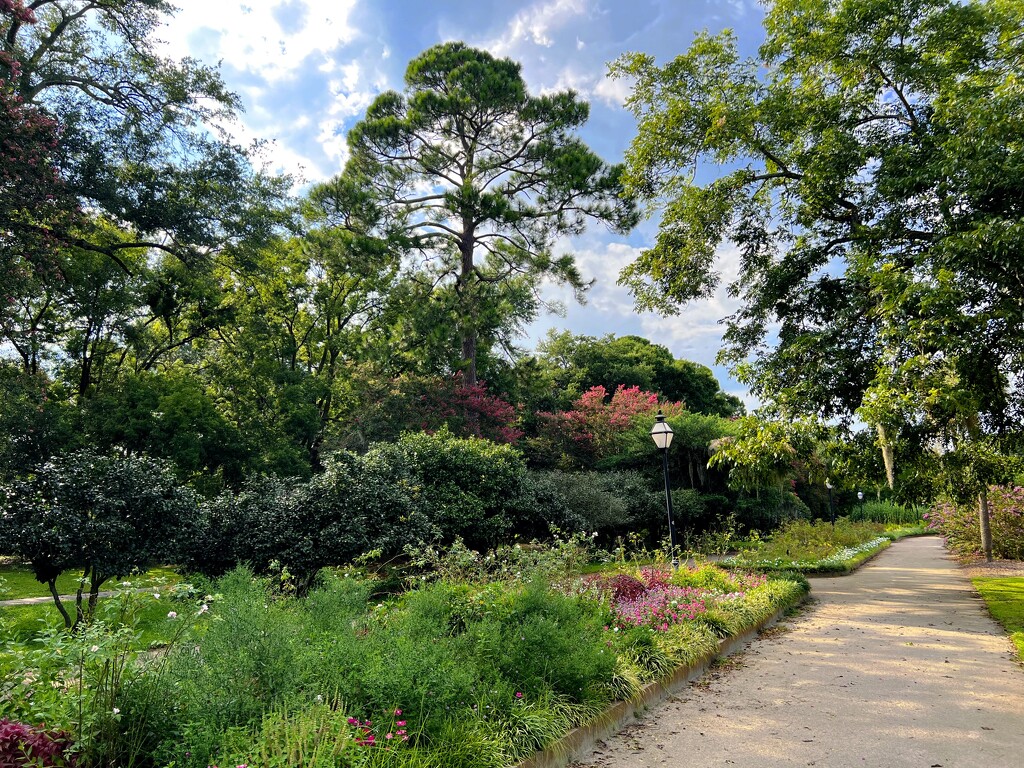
[471, 171]
[872, 182]
[106, 515]
[578, 363]
[133, 140]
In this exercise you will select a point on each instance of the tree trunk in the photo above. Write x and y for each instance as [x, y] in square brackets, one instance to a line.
[52, 584]
[887, 455]
[468, 314]
[94, 593]
[985, 523]
[79, 612]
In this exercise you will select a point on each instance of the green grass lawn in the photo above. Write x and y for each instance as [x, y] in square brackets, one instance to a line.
[25, 621]
[21, 583]
[1005, 600]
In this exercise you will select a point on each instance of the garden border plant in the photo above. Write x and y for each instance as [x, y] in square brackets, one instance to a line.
[821, 548]
[250, 683]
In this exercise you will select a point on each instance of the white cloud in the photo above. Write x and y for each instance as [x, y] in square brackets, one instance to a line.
[613, 91]
[249, 36]
[537, 23]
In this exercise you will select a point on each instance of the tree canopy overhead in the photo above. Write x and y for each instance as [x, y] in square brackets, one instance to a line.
[876, 139]
[137, 131]
[872, 176]
[481, 178]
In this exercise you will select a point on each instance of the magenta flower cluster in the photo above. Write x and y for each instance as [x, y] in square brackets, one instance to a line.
[661, 607]
[365, 737]
[652, 600]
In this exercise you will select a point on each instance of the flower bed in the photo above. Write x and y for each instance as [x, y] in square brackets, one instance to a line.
[469, 674]
[820, 548]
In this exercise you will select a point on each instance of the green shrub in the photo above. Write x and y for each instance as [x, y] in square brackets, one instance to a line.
[103, 515]
[468, 487]
[548, 642]
[357, 504]
[769, 509]
[248, 656]
[610, 503]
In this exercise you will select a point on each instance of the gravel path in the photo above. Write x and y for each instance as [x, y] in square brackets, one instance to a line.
[895, 666]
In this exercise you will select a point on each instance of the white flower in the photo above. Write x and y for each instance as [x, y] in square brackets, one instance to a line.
[156, 595]
[117, 711]
[203, 609]
[94, 649]
[172, 615]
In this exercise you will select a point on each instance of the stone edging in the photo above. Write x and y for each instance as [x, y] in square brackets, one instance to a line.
[621, 713]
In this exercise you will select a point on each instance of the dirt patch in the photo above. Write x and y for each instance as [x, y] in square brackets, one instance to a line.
[997, 569]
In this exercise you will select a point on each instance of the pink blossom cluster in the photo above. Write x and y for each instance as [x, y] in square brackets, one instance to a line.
[652, 600]
[661, 607]
[365, 737]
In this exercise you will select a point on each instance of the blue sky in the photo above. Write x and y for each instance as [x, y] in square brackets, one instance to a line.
[307, 69]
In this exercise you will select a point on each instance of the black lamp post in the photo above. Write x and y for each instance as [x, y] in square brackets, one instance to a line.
[661, 433]
[831, 506]
[860, 498]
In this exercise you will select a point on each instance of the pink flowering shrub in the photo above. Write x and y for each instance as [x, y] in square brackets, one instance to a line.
[958, 524]
[22, 745]
[597, 422]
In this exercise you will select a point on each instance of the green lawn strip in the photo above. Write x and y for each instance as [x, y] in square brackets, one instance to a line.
[25, 622]
[1005, 600]
[21, 583]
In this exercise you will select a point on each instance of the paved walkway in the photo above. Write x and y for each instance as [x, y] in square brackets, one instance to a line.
[897, 665]
[63, 598]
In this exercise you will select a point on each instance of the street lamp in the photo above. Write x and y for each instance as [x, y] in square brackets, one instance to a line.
[860, 499]
[661, 433]
[831, 506]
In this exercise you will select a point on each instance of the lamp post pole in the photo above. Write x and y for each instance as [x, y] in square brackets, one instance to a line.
[661, 432]
[831, 505]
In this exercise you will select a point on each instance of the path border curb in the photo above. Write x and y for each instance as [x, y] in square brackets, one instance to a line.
[622, 713]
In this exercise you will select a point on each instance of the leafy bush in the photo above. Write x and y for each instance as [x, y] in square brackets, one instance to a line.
[468, 487]
[958, 524]
[769, 509]
[357, 504]
[610, 503]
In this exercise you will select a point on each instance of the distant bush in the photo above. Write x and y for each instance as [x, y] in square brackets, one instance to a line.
[610, 503]
[769, 509]
[958, 524]
[885, 512]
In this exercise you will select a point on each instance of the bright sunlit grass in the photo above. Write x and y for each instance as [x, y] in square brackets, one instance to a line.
[1005, 600]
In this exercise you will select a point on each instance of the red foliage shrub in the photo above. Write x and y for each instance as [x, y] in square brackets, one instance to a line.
[22, 745]
[622, 586]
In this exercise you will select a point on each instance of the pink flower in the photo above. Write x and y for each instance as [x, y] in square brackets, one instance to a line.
[519, 694]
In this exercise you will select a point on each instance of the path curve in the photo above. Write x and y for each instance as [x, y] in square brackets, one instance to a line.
[896, 666]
